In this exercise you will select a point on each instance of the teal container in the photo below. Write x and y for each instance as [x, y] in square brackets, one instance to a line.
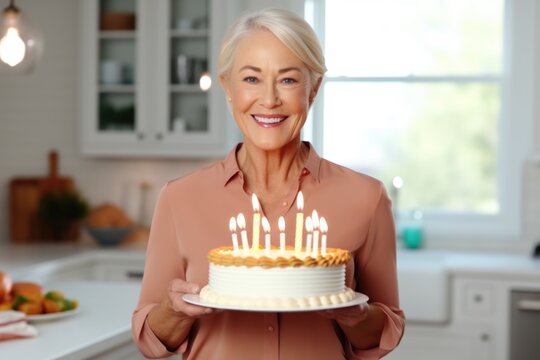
[412, 237]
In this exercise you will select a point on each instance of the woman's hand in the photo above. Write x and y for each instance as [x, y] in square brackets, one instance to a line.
[171, 319]
[348, 316]
[362, 324]
[177, 289]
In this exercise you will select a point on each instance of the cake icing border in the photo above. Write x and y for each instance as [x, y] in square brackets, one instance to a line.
[223, 256]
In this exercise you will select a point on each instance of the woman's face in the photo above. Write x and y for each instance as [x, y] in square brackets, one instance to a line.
[269, 90]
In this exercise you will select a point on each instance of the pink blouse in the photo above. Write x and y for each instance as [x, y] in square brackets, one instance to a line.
[191, 217]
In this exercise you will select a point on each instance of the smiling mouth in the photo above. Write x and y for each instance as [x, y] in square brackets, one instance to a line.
[269, 120]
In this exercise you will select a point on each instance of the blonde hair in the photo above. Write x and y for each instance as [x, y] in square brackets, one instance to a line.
[293, 31]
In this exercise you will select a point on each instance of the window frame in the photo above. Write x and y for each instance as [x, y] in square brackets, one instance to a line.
[515, 134]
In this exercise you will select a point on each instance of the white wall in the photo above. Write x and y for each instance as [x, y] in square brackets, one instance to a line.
[38, 112]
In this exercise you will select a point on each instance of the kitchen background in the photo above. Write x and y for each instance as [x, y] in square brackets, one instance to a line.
[466, 301]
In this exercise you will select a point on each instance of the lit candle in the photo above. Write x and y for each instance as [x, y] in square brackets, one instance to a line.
[324, 229]
[309, 229]
[256, 222]
[241, 220]
[266, 228]
[281, 225]
[299, 223]
[232, 227]
[315, 219]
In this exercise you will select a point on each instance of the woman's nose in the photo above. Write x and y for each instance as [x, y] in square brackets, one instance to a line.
[270, 96]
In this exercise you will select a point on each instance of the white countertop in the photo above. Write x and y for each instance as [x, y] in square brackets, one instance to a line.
[500, 265]
[102, 322]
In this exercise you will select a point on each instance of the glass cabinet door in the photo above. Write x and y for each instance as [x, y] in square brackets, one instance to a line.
[188, 53]
[117, 61]
[141, 65]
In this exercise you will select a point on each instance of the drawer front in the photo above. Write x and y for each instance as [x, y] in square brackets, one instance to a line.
[479, 300]
[475, 300]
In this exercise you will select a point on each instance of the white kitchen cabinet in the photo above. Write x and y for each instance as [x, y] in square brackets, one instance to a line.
[428, 342]
[475, 300]
[134, 100]
[472, 332]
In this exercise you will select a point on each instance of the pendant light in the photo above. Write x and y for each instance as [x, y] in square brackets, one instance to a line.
[205, 81]
[20, 43]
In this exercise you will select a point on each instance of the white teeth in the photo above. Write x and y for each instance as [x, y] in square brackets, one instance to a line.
[266, 120]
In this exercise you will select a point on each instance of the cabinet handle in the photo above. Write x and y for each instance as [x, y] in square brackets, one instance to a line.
[134, 274]
[529, 305]
[140, 136]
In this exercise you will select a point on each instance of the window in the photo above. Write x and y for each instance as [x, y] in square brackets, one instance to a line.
[421, 89]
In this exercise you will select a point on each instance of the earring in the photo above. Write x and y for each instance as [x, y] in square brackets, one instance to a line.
[229, 99]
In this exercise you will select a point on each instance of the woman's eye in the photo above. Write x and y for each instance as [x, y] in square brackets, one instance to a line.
[289, 81]
[250, 79]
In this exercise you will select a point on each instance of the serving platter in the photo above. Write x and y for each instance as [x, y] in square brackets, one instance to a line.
[194, 299]
[52, 316]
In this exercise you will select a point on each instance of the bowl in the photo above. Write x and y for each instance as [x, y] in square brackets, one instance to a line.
[109, 236]
[118, 21]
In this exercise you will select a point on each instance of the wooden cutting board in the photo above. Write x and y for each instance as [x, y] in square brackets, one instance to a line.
[24, 196]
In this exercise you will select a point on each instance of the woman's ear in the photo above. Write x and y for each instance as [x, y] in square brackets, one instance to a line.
[315, 90]
[225, 86]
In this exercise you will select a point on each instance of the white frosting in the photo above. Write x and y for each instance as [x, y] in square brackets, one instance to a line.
[289, 287]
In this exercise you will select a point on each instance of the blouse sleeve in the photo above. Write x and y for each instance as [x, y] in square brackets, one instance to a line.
[162, 264]
[376, 275]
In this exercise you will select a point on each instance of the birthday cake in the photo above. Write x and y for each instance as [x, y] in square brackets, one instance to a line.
[281, 280]
[284, 277]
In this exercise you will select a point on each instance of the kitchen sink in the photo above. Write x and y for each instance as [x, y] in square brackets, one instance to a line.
[91, 266]
[423, 286]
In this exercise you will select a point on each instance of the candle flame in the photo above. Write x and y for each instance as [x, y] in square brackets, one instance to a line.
[315, 219]
[255, 203]
[281, 224]
[241, 220]
[324, 225]
[309, 224]
[232, 224]
[300, 201]
[265, 225]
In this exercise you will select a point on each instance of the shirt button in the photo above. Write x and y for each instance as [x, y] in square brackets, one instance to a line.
[270, 328]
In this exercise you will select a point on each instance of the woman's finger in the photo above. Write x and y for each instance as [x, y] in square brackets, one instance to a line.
[183, 287]
[179, 305]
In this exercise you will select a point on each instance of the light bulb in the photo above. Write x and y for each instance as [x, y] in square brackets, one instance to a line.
[205, 82]
[12, 48]
[20, 43]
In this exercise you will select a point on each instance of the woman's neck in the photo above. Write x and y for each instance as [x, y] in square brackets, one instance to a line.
[271, 174]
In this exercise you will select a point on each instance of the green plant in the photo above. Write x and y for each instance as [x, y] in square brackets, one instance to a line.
[59, 210]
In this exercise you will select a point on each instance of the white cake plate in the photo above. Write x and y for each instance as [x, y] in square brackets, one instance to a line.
[358, 299]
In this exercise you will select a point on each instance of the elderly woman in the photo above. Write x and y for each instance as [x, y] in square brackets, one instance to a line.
[271, 67]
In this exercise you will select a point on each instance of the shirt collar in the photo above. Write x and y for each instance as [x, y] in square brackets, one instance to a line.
[313, 162]
[231, 168]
